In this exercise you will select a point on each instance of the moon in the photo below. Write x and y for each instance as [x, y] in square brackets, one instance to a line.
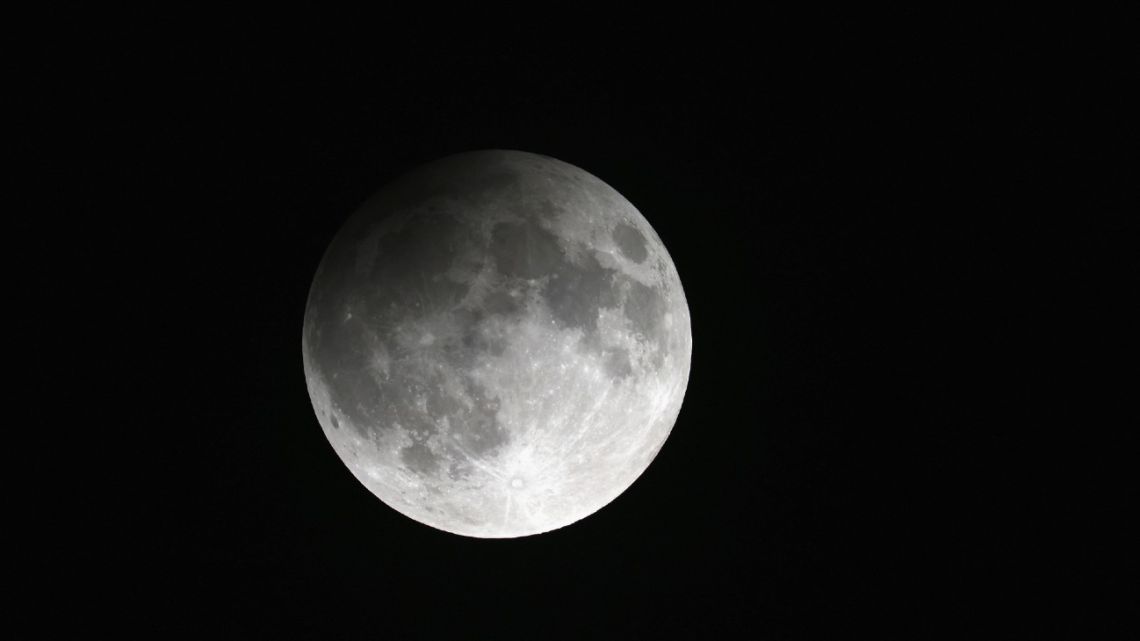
[497, 344]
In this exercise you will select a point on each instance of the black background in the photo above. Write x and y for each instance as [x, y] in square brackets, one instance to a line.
[861, 224]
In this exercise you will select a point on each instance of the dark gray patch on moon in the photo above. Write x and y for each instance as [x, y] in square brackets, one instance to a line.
[630, 242]
[478, 341]
[420, 458]
[577, 292]
[425, 245]
[616, 363]
[413, 261]
[476, 335]
[549, 210]
[499, 302]
[645, 308]
[472, 183]
[524, 250]
[440, 403]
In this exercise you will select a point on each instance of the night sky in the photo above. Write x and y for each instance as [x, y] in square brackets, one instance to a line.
[849, 222]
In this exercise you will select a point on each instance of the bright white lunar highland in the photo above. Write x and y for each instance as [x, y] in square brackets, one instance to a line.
[497, 344]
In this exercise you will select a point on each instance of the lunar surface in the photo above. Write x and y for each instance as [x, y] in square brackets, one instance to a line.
[497, 344]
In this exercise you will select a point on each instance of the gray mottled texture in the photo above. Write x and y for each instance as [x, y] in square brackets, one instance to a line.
[497, 344]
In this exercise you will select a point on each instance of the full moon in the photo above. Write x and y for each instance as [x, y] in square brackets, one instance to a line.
[497, 344]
